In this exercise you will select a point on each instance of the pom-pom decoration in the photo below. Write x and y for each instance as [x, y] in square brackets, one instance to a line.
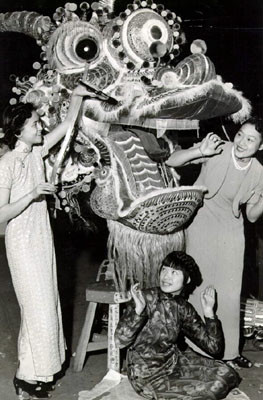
[115, 157]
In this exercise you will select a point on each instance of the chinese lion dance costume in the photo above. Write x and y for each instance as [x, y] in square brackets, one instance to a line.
[115, 154]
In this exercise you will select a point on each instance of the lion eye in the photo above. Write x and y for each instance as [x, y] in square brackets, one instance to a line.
[156, 33]
[73, 45]
[87, 49]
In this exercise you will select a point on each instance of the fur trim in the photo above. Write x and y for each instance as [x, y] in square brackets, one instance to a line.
[180, 98]
[147, 106]
[245, 112]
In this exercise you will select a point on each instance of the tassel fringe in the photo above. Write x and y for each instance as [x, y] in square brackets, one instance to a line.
[137, 256]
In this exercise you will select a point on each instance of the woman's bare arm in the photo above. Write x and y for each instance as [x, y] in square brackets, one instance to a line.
[209, 146]
[59, 132]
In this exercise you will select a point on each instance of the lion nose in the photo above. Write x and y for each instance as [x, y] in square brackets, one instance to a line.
[158, 49]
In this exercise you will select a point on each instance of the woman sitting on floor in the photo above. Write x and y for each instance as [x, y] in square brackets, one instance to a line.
[156, 368]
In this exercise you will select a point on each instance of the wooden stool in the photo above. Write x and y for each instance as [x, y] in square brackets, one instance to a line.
[100, 292]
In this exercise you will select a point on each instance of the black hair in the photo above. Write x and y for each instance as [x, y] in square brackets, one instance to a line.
[257, 122]
[179, 260]
[14, 117]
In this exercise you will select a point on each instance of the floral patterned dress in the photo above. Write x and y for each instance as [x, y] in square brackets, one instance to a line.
[32, 263]
[157, 369]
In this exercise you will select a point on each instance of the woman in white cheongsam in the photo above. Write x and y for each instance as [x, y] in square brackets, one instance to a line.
[29, 243]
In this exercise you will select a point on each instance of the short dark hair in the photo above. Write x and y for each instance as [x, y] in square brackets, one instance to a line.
[179, 260]
[257, 122]
[14, 117]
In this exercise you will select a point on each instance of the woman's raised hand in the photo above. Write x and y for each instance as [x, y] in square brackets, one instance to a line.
[208, 301]
[211, 145]
[43, 188]
[138, 298]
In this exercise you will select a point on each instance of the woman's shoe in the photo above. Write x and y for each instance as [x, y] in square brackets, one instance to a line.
[239, 362]
[33, 390]
[48, 386]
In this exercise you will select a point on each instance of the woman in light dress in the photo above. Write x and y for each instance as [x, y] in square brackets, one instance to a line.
[29, 243]
[215, 238]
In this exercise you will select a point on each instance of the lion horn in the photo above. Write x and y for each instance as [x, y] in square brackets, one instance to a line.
[28, 22]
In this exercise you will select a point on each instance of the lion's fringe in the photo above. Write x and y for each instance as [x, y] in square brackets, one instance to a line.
[137, 256]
